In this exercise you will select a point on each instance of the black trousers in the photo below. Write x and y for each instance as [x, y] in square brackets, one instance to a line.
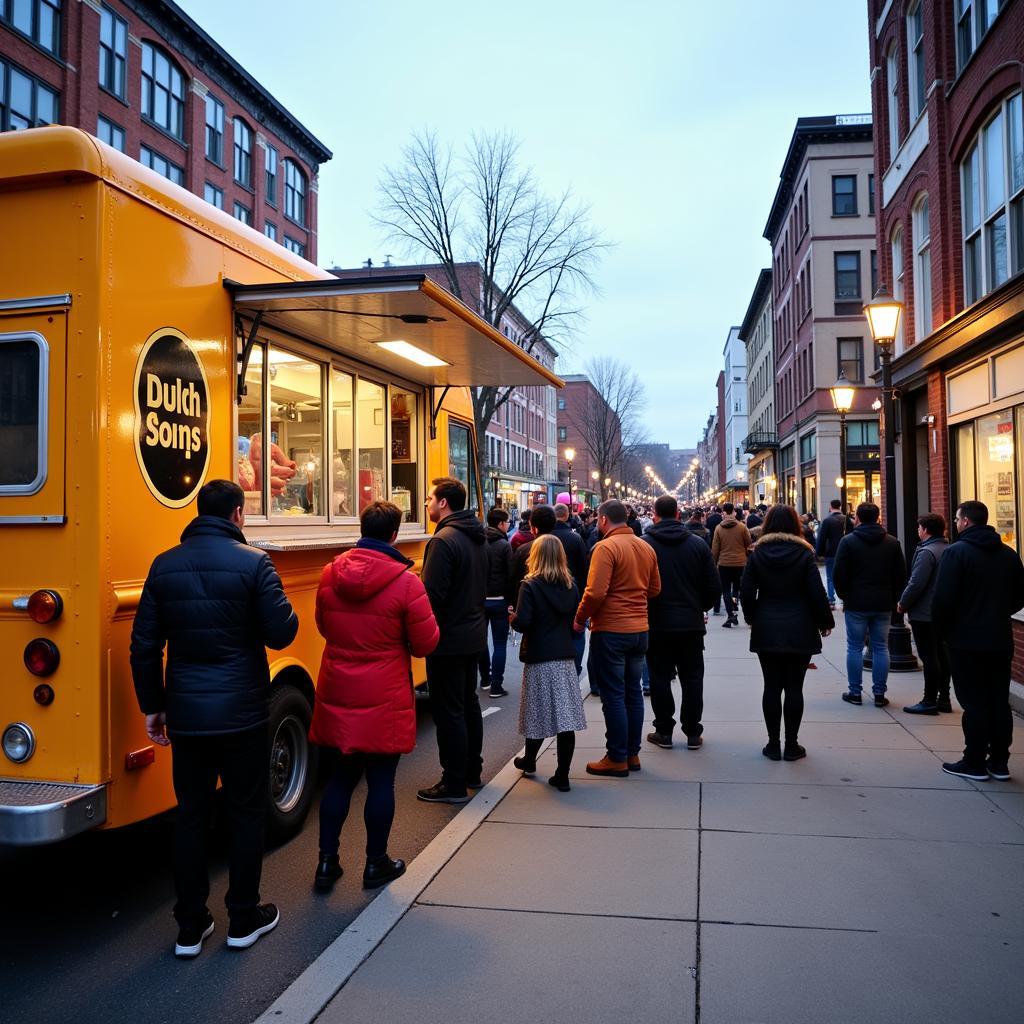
[241, 760]
[730, 575]
[932, 652]
[982, 683]
[379, 810]
[456, 711]
[670, 654]
[783, 676]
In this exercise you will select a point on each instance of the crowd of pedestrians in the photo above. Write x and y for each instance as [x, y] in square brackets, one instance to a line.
[641, 583]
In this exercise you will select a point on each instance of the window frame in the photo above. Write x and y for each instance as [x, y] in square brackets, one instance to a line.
[297, 197]
[114, 127]
[246, 210]
[7, 69]
[209, 185]
[117, 59]
[917, 91]
[270, 176]
[842, 362]
[851, 195]
[270, 224]
[242, 155]
[892, 85]
[34, 34]
[839, 296]
[216, 157]
[42, 398]
[293, 245]
[151, 86]
[143, 147]
[922, 268]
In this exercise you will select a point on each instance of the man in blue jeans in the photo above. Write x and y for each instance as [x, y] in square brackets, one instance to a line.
[833, 528]
[499, 599]
[869, 575]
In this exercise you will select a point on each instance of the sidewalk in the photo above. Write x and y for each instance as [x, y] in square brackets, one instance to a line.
[860, 884]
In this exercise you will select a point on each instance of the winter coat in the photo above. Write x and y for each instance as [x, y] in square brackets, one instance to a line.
[575, 553]
[752, 520]
[623, 577]
[373, 613]
[699, 530]
[980, 585]
[544, 616]
[833, 528]
[782, 597]
[730, 544]
[633, 522]
[917, 595]
[455, 572]
[869, 571]
[217, 604]
[690, 583]
[520, 536]
[712, 522]
[499, 559]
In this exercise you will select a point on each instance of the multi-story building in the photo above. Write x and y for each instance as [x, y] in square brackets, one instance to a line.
[721, 455]
[762, 441]
[822, 231]
[707, 454]
[143, 77]
[734, 414]
[589, 426]
[946, 92]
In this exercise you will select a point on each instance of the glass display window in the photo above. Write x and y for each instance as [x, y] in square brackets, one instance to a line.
[460, 458]
[293, 460]
[251, 425]
[405, 446]
[370, 437]
[964, 453]
[343, 444]
[995, 468]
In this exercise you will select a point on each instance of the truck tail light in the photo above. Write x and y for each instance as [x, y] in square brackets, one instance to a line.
[45, 606]
[41, 657]
[136, 759]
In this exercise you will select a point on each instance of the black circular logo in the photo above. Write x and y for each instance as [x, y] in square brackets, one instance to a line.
[172, 417]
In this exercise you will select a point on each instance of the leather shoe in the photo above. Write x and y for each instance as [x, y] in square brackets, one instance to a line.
[634, 763]
[328, 871]
[526, 766]
[381, 870]
[945, 705]
[607, 767]
[659, 739]
[772, 750]
[793, 752]
[922, 707]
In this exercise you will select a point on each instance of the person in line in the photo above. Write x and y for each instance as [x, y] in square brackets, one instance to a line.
[979, 587]
[807, 522]
[633, 521]
[696, 526]
[713, 519]
[869, 575]
[623, 577]
[542, 521]
[576, 557]
[499, 599]
[216, 604]
[755, 517]
[373, 612]
[690, 585]
[833, 529]
[549, 702]
[523, 533]
[916, 601]
[788, 612]
[455, 572]
[730, 544]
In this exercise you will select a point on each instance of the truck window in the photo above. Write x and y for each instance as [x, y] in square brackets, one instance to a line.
[293, 460]
[23, 364]
[460, 458]
[405, 445]
[250, 429]
[370, 431]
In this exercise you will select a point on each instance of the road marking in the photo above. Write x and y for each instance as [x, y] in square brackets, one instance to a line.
[489, 711]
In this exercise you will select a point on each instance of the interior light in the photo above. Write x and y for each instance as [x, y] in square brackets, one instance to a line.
[411, 352]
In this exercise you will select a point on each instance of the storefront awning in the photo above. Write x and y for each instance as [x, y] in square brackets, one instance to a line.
[354, 317]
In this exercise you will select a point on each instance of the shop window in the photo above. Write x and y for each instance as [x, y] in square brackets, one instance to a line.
[964, 449]
[250, 432]
[460, 457]
[370, 440]
[23, 368]
[994, 459]
[293, 461]
[405, 475]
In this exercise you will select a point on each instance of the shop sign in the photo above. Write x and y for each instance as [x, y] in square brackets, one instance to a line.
[172, 418]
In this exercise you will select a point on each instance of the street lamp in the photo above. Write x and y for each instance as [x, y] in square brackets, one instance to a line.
[595, 476]
[842, 401]
[883, 316]
[570, 454]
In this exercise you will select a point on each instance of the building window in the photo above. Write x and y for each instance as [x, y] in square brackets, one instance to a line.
[294, 193]
[874, 272]
[214, 130]
[850, 358]
[213, 195]
[160, 164]
[242, 213]
[563, 433]
[862, 433]
[270, 230]
[892, 84]
[243, 152]
[110, 133]
[163, 91]
[915, 60]
[922, 269]
[973, 18]
[561, 405]
[270, 165]
[293, 246]
[847, 271]
[897, 279]
[37, 19]
[844, 195]
[24, 101]
[113, 52]
[871, 195]
[992, 182]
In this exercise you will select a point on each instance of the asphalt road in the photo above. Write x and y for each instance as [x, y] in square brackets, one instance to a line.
[86, 932]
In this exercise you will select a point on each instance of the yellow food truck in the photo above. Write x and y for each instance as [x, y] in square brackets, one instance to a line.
[148, 343]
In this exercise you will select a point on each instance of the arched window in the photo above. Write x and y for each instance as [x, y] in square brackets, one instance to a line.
[163, 91]
[897, 278]
[915, 59]
[294, 193]
[892, 85]
[243, 152]
[922, 230]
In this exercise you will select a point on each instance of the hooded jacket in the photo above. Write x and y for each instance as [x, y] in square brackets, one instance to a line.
[455, 572]
[869, 571]
[544, 616]
[373, 613]
[499, 560]
[980, 585]
[623, 577]
[917, 595]
[690, 584]
[521, 535]
[698, 529]
[782, 597]
[217, 604]
[730, 544]
[833, 528]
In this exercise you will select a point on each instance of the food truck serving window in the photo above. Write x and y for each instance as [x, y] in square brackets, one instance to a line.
[23, 366]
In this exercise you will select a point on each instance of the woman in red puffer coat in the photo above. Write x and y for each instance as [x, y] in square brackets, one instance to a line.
[373, 613]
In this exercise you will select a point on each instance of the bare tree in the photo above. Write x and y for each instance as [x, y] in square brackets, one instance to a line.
[612, 428]
[536, 253]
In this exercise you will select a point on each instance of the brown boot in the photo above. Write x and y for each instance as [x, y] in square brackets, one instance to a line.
[614, 769]
[634, 763]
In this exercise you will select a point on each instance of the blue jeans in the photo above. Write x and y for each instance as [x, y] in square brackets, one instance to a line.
[829, 584]
[492, 667]
[874, 625]
[616, 664]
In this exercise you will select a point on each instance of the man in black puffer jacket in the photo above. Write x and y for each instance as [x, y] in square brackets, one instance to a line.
[217, 604]
[499, 600]
[690, 585]
[980, 585]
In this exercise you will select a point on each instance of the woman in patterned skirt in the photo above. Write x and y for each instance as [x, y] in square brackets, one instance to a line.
[550, 703]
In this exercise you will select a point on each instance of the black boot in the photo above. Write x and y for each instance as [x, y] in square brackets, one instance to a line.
[328, 871]
[381, 870]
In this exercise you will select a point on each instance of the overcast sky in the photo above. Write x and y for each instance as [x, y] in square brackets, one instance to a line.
[671, 119]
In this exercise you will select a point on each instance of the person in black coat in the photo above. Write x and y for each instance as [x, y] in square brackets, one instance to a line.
[499, 600]
[690, 585]
[834, 527]
[542, 521]
[576, 556]
[979, 587]
[216, 604]
[787, 609]
[696, 526]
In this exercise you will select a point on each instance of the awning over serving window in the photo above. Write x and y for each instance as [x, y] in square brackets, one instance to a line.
[364, 319]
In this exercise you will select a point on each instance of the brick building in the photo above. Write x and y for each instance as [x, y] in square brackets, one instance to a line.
[762, 441]
[143, 77]
[582, 412]
[946, 91]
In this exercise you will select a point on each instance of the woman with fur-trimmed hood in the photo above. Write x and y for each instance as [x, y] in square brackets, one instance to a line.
[785, 604]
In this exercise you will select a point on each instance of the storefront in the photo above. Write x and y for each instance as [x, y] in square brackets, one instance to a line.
[787, 459]
[762, 478]
[863, 465]
[809, 472]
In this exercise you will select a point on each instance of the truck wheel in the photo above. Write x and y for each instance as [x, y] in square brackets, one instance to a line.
[293, 762]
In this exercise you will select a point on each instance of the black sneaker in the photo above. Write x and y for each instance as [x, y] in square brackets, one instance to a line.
[772, 750]
[999, 770]
[965, 771]
[881, 702]
[727, 624]
[382, 870]
[944, 705]
[499, 692]
[793, 752]
[694, 742]
[922, 707]
[244, 932]
[659, 739]
[853, 698]
[441, 794]
[191, 938]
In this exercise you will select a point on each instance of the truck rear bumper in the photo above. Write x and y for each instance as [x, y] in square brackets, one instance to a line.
[34, 813]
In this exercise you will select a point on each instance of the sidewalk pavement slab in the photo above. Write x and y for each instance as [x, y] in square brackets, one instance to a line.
[465, 966]
[1011, 803]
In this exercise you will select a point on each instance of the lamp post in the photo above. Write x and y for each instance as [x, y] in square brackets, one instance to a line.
[883, 316]
[607, 484]
[570, 454]
[842, 401]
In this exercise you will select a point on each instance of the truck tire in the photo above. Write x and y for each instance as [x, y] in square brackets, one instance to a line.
[293, 762]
